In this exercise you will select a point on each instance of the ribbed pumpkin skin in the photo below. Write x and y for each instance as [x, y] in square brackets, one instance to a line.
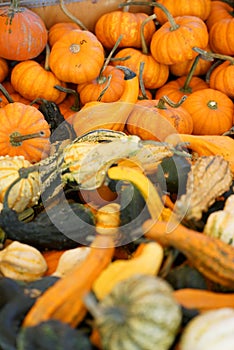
[154, 75]
[142, 315]
[110, 25]
[219, 10]
[25, 193]
[199, 8]
[152, 123]
[221, 37]
[222, 78]
[209, 119]
[91, 91]
[23, 119]
[32, 81]
[22, 38]
[59, 29]
[173, 46]
[77, 57]
[174, 88]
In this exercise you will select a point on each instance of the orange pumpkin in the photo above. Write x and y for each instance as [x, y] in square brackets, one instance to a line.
[111, 79]
[31, 80]
[219, 10]
[59, 29]
[23, 34]
[173, 41]
[222, 78]
[211, 110]
[155, 74]
[115, 23]
[198, 8]
[179, 87]
[221, 38]
[154, 120]
[24, 131]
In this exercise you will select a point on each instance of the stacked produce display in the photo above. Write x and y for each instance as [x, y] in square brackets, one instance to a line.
[116, 175]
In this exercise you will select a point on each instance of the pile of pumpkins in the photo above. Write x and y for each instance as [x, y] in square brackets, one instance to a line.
[164, 73]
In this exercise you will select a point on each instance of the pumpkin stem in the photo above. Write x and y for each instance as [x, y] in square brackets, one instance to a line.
[145, 50]
[212, 104]
[76, 105]
[165, 99]
[47, 54]
[169, 16]
[141, 82]
[70, 15]
[16, 138]
[6, 94]
[210, 70]
[105, 88]
[186, 88]
[107, 60]
[210, 56]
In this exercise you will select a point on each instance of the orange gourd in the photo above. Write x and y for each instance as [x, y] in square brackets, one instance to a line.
[24, 131]
[108, 115]
[207, 145]
[211, 110]
[212, 257]
[64, 300]
[23, 34]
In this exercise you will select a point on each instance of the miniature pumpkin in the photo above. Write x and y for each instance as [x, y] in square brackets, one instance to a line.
[59, 29]
[26, 192]
[24, 131]
[226, 45]
[173, 41]
[41, 87]
[23, 34]
[155, 120]
[22, 262]
[222, 77]
[111, 25]
[139, 313]
[93, 90]
[198, 8]
[214, 327]
[77, 57]
[155, 74]
[219, 10]
[211, 110]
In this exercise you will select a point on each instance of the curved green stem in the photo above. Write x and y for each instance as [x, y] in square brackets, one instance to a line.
[6, 94]
[169, 16]
[141, 81]
[166, 100]
[186, 87]
[210, 70]
[47, 54]
[108, 59]
[70, 15]
[144, 47]
[76, 106]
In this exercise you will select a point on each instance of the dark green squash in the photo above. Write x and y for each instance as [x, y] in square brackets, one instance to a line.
[52, 334]
[14, 311]
[173, 172]
[63, 226]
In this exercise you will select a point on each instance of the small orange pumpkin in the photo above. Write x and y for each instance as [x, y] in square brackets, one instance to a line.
[59, 29]
[221, 38]
[219, 10]
[154, 120]
[115, 23]
[222, 78]
[24, 131]
[173, 41]
[77, 57]
[211, 110]
[198, 8]
[23, 34]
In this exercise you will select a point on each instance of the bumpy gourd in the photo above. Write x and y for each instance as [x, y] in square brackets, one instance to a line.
[139, 313]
